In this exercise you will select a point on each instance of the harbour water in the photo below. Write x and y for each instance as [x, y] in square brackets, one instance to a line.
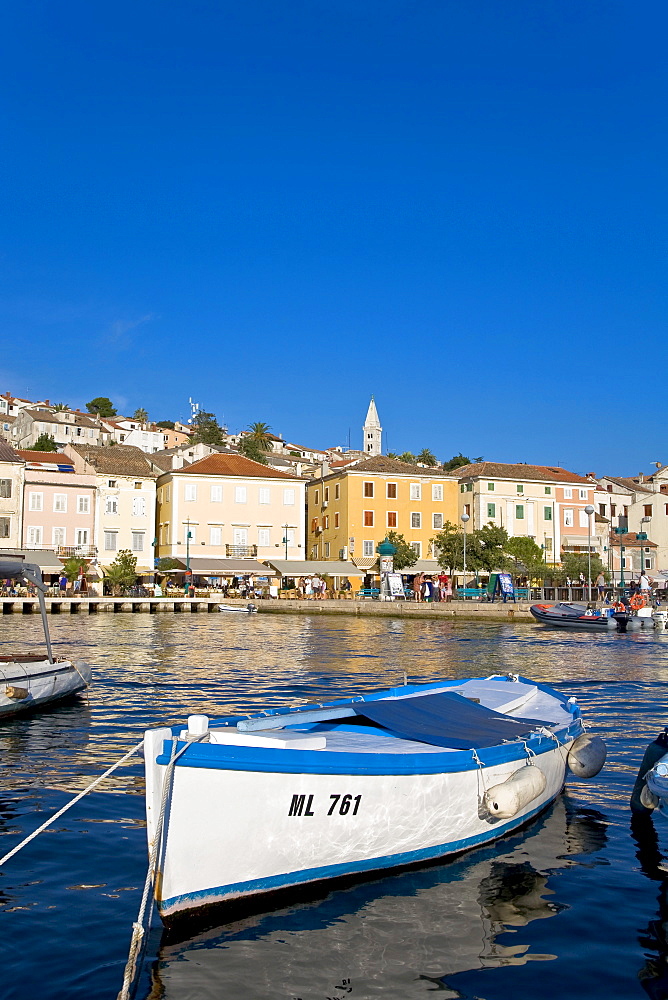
[575, 906]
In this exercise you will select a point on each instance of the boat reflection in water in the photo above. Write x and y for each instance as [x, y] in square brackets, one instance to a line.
[653, 938]
[401, 936]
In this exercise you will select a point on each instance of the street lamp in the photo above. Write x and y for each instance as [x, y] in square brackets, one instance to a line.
[285, 539]
[621, 532]
[464, 518]
[188, 537]
[589, 510]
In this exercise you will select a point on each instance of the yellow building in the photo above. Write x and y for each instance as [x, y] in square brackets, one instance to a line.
[351, 510]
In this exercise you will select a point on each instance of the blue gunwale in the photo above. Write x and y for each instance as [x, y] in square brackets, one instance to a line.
[234, 890]
[239, 758]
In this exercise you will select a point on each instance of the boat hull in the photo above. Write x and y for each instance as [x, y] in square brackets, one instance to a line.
[547, 616]
[259, 832]
[27, 685]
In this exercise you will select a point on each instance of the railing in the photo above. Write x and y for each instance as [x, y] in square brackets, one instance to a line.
[241, 551]
[72, 551]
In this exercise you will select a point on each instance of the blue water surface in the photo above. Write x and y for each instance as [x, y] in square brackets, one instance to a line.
[574, 906]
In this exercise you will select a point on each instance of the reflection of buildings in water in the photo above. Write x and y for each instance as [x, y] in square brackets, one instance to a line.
[41, 748]
[653, 939]
[390, 935]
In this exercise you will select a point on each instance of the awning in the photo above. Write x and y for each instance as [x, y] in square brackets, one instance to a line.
[201, 566]
[46, 559]
[313, 567]
[366, 562]
[428, 566]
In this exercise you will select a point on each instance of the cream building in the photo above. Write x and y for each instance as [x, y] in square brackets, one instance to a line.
[232, 508]
[545, 503]
[125, 505]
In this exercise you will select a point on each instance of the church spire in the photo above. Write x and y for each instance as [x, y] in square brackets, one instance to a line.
[373, 432]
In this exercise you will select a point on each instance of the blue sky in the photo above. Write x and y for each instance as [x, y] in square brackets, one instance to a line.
[279, 209]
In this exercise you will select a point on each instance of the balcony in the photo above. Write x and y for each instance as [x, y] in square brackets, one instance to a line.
[241, 551]
[76, 551]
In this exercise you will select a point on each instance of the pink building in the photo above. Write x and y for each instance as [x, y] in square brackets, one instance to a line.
[59, 505]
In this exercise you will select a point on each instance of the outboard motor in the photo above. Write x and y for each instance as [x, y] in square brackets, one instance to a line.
[660, 619]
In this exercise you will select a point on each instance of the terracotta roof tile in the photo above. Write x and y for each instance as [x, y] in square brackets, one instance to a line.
[7, 454]
[119, 460]
[394, 467]
[503, 470]
[628, 484]
[234, 465]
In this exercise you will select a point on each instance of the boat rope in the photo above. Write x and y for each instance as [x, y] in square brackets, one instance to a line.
[529, 752]
[72, 802]
[138, 929]
[481, 776]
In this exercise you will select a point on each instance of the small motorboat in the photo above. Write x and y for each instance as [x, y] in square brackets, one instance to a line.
[250, 609]
[256, 806]
[581, 616]
[650, 792]
[31, 680]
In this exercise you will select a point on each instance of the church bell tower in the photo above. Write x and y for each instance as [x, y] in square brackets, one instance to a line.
[373, 432]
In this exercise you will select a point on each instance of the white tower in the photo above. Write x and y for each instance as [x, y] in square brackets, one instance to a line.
[373, 432]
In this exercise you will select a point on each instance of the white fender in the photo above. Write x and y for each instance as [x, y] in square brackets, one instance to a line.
[586, 755]
[648, 799]
[506, 799]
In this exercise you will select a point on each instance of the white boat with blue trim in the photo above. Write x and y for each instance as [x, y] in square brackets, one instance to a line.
[246, 807]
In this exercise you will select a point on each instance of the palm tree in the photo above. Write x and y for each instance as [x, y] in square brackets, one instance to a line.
[259, 432]
[427, 457]
[59, 407]
[407, 456]
[141, 415]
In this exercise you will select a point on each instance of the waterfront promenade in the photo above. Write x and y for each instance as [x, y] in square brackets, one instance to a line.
[464, 610]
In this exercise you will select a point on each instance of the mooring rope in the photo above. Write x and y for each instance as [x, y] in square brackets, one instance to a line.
[138, 930]
[72, 802]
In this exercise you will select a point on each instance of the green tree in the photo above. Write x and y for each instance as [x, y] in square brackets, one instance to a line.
[448, 547]
[489, 543]
[249, 448]
[392, 454]
[574, 563]
[45, 442]
[408, 457]
[405, 556]
[259, 432]
[527, 556]
[59, 407]
[140, 414]
[123, 571]
[427, 457]
[456, 462]
[72, 567]
[207, 429]
[167, 424]
[101, 405]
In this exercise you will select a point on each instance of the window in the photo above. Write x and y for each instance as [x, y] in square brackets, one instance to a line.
[368, 519]
[491, 510]
[568, 493]
[240, 494]
[5, 490]
[647, 508]
[264, 495]
[289, 498]
[548, 544]
[81, 536]
[520, 488]
[437, 491]
[326, 494]
[467, 509]
[416, 520]
[548, 491]
[437, 521]
[316, 497]
[110, 538]
[216, 493]
[34, 536]
[326, 550]
[368, 489]
[36, 501]
[568, 518]
[4, 527]
[137, 541]
[602, 509]
[490, 487]
[190, 492]
[417, 548]
[314, 552]
[57, 536]
[367, 549]
[215, 535]
[139, 506]
[584, 520]
[583, 494]
[391, 491]
[325, 521]
[391, 518]
[337, 492]
[168, 493]
[666, 508]
[613, 509]
[519, 511]
[60, 503]
[264, 536]
[83, 505]
[464, 488]
[336, 520]
[547, 513]
[111, 483]
[111, 505]
[416, 491]
[314, 523]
